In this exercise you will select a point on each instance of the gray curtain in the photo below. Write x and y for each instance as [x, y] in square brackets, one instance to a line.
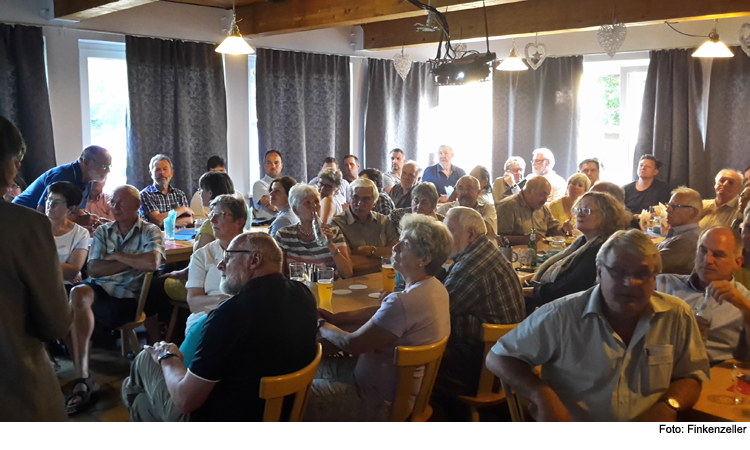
[24, 99]
[670, 126]
[177, 107]
[537, 108]
[303, 108]
[393, 109]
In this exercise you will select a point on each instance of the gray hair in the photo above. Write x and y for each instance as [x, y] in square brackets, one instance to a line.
[237, 207]
[580, 179]
[468, 219]
[131, 190]
[610, 188]
[330, 174]
[632, 242]
[515, 160]
[91, 151]
[157, 158]
[428, 238]
[693, 197]
[417, 169]
[299, 192]
[364, 183]
[425, 190]
[613, 213]
[733, 172]
[547, 153]
[264, 244]
[738, 245]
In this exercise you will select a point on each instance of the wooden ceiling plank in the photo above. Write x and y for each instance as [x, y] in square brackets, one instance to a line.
[78, 10]
[263, 19]
[541, 16]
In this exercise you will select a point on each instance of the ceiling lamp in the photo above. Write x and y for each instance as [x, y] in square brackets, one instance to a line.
[713, 48]
[234, 44]
[512, 63]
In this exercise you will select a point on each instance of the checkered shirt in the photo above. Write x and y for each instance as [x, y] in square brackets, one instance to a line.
[153, 200]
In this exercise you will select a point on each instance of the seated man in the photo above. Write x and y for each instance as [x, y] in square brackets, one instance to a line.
[384, 205]
[443, 174]
[723, 210]
[719, 254]
[350, 168]
[629, 353]
[678, 249]
[342, 195]
[647, 190]
[265, 212]
[542, 163]
[213, 164]
[467, 190]
[518, 214]
[393, 177]
[483, 288]
[401, 192]
[512, 181]
[590, 168]
[160, 198]
[266, 328]
[368, 234]
[121, 252]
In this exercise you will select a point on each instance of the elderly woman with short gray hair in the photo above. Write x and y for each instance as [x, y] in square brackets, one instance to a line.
[424, 200]
[298, 242]
[360, 389]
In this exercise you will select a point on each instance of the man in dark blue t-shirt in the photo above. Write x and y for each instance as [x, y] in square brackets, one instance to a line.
[443, 173]
[267, 328]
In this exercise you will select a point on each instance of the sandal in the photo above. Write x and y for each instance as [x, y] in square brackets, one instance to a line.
[86, 397]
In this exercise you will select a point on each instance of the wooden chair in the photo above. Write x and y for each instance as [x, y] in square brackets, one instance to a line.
[177, 294]
[127, 331]
[408, 359]
[487, 393]
[274, 389]
[515, 404]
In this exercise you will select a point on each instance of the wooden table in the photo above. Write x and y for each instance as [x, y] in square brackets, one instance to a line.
[708, 409]
[358, 298]
[179, 250]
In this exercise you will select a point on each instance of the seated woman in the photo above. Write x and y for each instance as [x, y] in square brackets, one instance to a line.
[280, 200]
[71, 239]
[578, 184]
[15, 189]
[574, 269]
[361, 388]
[212, 185]
[298, 241]
[329, 181]
[485, 186]
[424, 199]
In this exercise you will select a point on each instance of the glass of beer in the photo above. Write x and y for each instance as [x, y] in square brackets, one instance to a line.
[389, 274]
[325, 287]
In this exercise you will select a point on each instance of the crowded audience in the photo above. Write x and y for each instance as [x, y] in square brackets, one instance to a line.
[424, 200]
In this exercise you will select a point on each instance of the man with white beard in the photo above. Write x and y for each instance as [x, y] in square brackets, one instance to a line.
[266, 328]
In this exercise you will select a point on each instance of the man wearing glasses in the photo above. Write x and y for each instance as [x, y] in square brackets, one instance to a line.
[628, 352]
[93, 165]
[542, 163]
[511, 182]
[683, 214]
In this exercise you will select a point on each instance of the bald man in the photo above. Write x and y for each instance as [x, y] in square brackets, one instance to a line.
[722, 210]
[518, 214]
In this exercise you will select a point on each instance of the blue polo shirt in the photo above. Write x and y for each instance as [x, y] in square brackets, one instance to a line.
[435, 175]
[36, 193]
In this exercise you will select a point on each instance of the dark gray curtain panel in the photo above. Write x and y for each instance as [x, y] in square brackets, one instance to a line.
[177, 107]
[394, 108]
[537, 108]
[24, 98]
[303, 106]
[670, 126]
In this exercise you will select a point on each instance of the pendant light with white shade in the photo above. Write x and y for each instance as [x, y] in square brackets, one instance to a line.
[235, 44]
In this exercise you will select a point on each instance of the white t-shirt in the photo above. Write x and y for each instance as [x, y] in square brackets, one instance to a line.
[204, 274]
[77, 238]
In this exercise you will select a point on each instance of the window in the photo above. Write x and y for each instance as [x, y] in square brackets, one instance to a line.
[254, 145]
[610, 103]
[104, 102]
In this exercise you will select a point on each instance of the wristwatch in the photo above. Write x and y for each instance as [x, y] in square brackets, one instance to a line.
[672, 403]
[164, 356]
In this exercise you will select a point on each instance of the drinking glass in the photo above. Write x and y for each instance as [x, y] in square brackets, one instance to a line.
[389, 274]
[297, 272]
[325, 287]
[739, 372]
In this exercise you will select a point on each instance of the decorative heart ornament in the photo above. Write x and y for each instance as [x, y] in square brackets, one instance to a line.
[403, 65]
[745, 38]
[537, 58]
[611, 37]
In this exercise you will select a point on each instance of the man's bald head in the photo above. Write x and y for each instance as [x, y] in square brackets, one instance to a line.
[263, 244]
[535, 192]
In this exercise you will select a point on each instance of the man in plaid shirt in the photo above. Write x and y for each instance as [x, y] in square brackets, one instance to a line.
[483, 288]
[160, 198]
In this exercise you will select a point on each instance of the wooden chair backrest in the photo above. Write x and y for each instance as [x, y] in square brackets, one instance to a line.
[491, 333]
[408, 359]
[144, 295]
[274, 389]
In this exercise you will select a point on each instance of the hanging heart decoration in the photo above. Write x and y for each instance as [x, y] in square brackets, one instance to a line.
[745, 38]
[534, 60]
[403, 64]
[611, 37]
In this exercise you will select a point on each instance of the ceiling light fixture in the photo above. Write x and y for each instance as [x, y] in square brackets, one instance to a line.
[713, 48]
[512, 63]
[234, 44]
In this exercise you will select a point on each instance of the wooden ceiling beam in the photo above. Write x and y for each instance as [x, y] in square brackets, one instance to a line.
[541, 16]
[78, 10]
[263, 19]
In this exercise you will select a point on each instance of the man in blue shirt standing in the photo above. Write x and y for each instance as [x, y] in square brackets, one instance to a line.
[443, 173]
[93, 165]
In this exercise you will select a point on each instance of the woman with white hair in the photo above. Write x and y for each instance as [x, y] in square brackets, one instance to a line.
[329, 181]
[298, 242]
[561, 209]
[362, 388]
[424, 200]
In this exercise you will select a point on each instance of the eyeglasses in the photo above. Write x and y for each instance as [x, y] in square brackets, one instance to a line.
[220, 215]
[228, 253]
[585, 211]
[106, 167]
[56, 202]
[323, 185]
[628, 278]
[538, 161]
[676, 206]
[358, 199]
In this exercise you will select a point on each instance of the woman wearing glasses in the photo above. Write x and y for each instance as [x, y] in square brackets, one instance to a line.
[329, 181]
[71, 239]
[298, 241]
[212, 185]
[598, 215]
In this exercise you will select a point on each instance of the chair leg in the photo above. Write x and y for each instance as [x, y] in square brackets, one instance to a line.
[474, 414]
[135, 346]
[123, 343]
[172, 323]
